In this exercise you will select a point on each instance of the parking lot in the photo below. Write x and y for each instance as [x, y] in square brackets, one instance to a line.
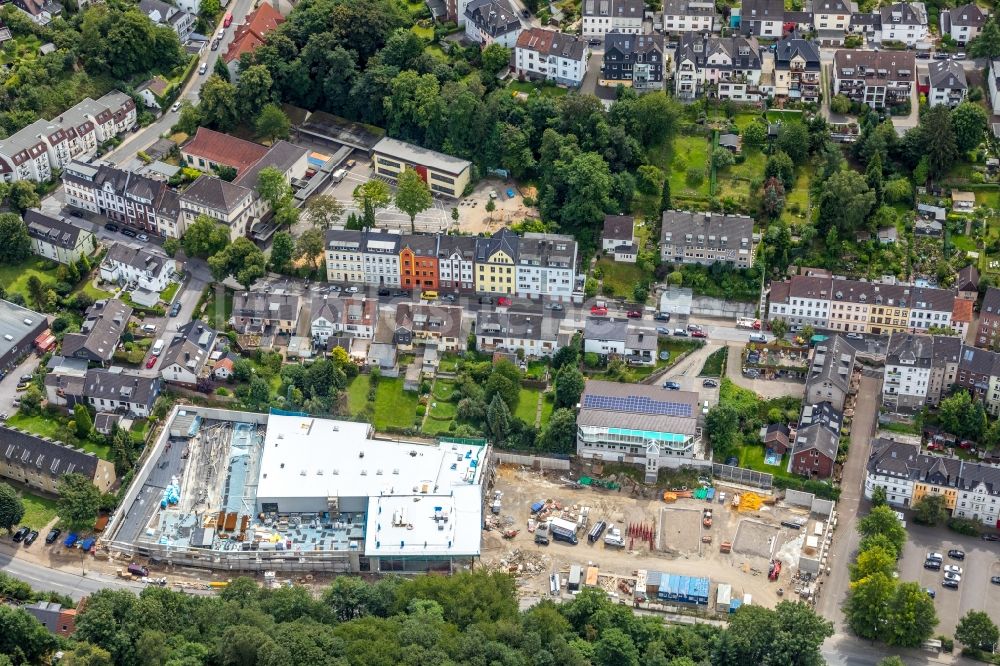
[8, 385]
[975, 592]
[682, 544]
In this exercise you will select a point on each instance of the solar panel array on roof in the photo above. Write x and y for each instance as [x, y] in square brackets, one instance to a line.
[637, 405]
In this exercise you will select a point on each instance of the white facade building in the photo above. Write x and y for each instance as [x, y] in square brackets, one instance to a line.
[551, 56]
[602, 16]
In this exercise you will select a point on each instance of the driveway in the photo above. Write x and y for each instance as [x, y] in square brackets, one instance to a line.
[845, 540]
[8, 385]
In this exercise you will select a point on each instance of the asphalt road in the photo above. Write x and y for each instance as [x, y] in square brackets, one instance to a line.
[73, 584]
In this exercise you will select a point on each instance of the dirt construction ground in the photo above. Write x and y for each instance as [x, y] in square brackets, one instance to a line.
[678, 533]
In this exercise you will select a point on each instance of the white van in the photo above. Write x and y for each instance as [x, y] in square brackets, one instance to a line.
[339, 174]
[203, 68]
[758, 337]
[158, 347]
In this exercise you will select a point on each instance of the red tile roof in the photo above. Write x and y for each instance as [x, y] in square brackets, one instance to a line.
[224, 149]
[250, 34]
[962, 310]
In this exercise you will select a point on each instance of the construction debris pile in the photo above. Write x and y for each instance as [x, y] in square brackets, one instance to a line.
[524, 563]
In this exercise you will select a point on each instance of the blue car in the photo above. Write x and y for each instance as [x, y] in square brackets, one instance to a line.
[510, 193]
[672, 386]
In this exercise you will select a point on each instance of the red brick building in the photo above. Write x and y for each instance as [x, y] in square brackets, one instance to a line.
[815, 452]
[418, 261]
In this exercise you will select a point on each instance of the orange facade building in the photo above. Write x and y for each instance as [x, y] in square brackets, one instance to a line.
[418, 262]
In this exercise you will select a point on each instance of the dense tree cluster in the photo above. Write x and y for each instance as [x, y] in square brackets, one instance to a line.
[467, 618]
[739, 416]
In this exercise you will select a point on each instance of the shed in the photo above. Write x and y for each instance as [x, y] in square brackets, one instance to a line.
[591, 579]
[575, 573]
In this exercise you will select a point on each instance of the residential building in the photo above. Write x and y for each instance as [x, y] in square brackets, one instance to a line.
[688, 16]
[638, 423]
[229, 204]
[56, 238]
[979, 374]
[797, 70]
[814, 452]
[209, 150]
[438, 326]
[380, 254]
[962, 201]
[344, 261]
[632, 342]
[947, 83]
[492, 22]
[192, 6]
[19, 327]
[721, 67]
[989, 320]
[40, 463]
[186, 357]
[121, 196]
[534, 334]
[602, 16]
[34, 151]
[963, 23]
[40, 11]
[456, 260]
[496, 263]
[919, 370]
[549, 55]
[821, 413]
[834, 303]
[251, 33]
[334, 317]
[904, 22]
[153, 91]
[265, 312]
[891, 466]
[777, 437]
[102, 328]
[546, 266]
[967, 283]
[962, 314]
[289, 159]
[993, 83]
[150, 269]
[633, 61]
[444, 174]
[879, 79]
[762, 18]
[179, 20]
[418, 261]
[58, 620]
[831, 19]
[117, 390]
[868, 26]
[618, 237]
[706, 238]
[830, 374]
[978, 494]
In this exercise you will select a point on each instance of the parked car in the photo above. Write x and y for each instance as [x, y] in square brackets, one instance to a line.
[202, 68]
[935, 556]
[634, 314]
[953, 584]
[53, 535]
[129, 233]
[110, 226]
[953, 576]
[710, 383]
[991, 537]
[855, 336]
[21, 533]
[956, 554]
[930, 593]
[662, 330]
[662, 316]
[555, 307]
[383, 291]
[699, 334]
[143, 237]
[673, 386]
[351, 290]
[995, 580]
[23, 386]
[952, 568]
[151, 362]
[940, 56]
[429, 295]
[176, 107]
[350, 163]
[334, 289]
[26, 378]
[449, 298]
[175, 309]
[598, 310]
[488, 300]
[504, 302]
[75, 213]
[680, 333]
[933, 565]
[30, 539]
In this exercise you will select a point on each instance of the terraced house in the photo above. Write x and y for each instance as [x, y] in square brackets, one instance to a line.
[496, 259]
[633, 61]
[796, 70]
[721, 67]
[707, 238]
[879, 79]
[602, 16]
[121, 196]
[919, 370]
[970, 489]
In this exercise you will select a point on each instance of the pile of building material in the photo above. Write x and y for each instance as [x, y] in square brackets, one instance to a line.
[523, 563]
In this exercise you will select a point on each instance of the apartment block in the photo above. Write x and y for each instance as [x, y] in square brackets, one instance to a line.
[879, 79]
[707, 238]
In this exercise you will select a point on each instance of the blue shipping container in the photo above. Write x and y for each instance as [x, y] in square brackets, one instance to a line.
[711, 495]
[734, 605]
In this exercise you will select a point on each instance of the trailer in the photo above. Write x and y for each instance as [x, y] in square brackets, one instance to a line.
[554, 584]
[596, 532]
[575, 573]
[723, 597]
[71, 539]
[560, 533]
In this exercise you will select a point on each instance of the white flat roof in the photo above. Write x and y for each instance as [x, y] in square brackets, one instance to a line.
[432, 525]
[310, 457]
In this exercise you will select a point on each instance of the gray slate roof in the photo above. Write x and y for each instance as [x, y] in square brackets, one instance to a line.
[729, 231]
[190, 346]
[50, 458]
[117, 384]
[215, 193]
[52, 230]
[947, 74]
[102, 328]
[614, 8]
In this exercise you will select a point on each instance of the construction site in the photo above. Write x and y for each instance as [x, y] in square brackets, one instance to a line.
[710, 548]
[288, 492]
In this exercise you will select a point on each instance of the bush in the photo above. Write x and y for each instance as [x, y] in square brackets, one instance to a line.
[421, 410]
[964, 526]
[222, 391]
[695, 176]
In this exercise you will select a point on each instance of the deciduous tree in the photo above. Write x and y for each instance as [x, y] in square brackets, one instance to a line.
[254, 90]
[11, 507]
[78, 501]
[311, 245]
[412, 195]
[272, 123]
[780, 166]
[969, 120]
[977, 630]
[559, 435]
[15, 243]
[882, 520]
[204, 237]
[282, 249]
[569, 387]
[218, 107]
[242, 260]
[324, 210]
[930, 510]
[912, 616]
[81, 417]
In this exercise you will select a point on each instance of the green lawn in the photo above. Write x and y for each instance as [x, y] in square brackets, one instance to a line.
[394, 407]
[215, 316]
[527, 405]
[167, 295]
[38, 511]
[988, 198]
[440, 417]
[752, 457]
[14, 277]
[787, 115]
[734, 182]
[621, 277]
[89, 289]
[357, 394]
[714, 362]
[530, 88]
[964, 243]
[741, 120]
[799, 196]
[50, 425]
[548, 406]
[687, 152]
[425, 33]
[449, 362]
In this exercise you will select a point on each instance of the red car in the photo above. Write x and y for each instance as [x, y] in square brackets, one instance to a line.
[699, 334]
[151, 362]
[503, 301]
[634, 314]
[598, 310]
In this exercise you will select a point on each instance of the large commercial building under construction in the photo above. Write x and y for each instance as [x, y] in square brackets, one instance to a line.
[290, 492]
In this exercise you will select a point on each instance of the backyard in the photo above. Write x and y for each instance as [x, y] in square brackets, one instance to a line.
[685, 160]
[38, 511]
[53, 424]
[619, 278]
[393, 408]
[215, 316]
[530, 88]
[14, 277]
[752, 457]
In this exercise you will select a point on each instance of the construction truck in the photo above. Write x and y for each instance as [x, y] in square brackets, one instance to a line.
[748, 322]
[613, 538]
[706, 518]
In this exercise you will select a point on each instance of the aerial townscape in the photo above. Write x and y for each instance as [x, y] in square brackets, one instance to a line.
[579, 332]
